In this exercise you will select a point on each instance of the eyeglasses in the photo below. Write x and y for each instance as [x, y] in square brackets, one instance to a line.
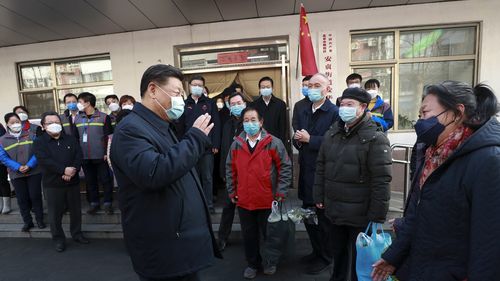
[178, 93]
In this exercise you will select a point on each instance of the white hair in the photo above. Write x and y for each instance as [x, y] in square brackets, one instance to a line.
[325, 78]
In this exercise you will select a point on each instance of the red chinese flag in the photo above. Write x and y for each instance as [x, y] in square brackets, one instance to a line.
[307, 57]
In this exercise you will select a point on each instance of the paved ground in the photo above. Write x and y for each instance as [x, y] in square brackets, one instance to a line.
[24, 259]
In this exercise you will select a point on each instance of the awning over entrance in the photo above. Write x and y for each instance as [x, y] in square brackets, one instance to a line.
[33, 21]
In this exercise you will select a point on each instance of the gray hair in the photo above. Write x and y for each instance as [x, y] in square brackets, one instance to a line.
[325, 78]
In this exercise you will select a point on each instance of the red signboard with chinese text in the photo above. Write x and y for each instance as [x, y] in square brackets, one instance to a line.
[230, 58]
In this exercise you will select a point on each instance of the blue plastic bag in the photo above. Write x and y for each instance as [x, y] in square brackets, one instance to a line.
[369, 250]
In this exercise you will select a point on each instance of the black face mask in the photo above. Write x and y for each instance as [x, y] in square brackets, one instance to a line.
[428, 130]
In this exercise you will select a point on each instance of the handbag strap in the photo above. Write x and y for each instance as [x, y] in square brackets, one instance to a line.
[374, 226]
[368, 227]
[282, 206]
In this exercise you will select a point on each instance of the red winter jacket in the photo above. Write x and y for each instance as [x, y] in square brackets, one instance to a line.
[257, 178]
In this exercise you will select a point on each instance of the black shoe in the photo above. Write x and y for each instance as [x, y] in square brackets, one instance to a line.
[60, 247]
[81, 240]
[27, 227]
[308, 258]
[318, 266]
[222, 245]
[41, 225]
[108, 209]
[93, 210]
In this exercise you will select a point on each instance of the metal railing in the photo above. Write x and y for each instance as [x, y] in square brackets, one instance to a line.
[406, 162]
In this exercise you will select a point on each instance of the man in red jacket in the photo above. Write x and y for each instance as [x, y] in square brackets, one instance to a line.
[258, 171]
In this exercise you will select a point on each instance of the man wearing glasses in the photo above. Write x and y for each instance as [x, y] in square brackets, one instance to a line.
[165, 217]
[60, 158]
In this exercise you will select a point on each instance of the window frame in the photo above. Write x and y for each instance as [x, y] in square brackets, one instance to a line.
[55, 87]
[397, 61]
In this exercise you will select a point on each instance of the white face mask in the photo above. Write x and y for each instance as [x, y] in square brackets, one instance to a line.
[54, 128]
[128, 106]
[354, 85]
[80, 106]
[373, 93]
[114, 107]
[23, 116]
[220, 105]
[16, 127]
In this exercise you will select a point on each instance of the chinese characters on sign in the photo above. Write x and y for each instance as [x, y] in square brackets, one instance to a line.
[234, 57]
[327, 54]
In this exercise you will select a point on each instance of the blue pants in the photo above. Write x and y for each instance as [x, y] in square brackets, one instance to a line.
[29, 197]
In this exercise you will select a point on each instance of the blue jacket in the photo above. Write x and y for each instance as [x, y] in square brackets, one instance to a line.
[13, 165]
[165, 218]
[452, 224]
[382, 114]
[316, 125]
[18, 151]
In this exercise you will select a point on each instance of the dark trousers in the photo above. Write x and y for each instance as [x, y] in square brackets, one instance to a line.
[205, 168]
[4, 183]
[29, 197]
[344, 251]
[218, 182]
[58, 198]
[319, 235]
[253, 229]
[227, 218]
[97, 171]
[191, 277]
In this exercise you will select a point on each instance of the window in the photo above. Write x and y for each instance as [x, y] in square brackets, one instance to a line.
[406, 60]
[231, 53]
[43, 84]
[376, 46]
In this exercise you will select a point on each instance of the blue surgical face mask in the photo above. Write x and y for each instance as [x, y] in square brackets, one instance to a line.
[315, 95]
[237, 109]
[428, 130]
[227, 104]
[305, 91]
[266, 92]
[72, 106]
[348, 114]
[196, 90]
[176, 106]
[251, 128]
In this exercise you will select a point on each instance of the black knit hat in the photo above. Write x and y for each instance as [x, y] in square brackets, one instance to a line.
[358, 94]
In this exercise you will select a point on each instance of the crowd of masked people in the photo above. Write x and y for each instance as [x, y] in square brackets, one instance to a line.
[345, 163]
[50, 156]
[450, 223]
[339, 142]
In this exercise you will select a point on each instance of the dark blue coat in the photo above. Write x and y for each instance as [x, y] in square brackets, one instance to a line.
[165, 219]
[297, 109]
[193, 110]
[316, 125]
[452, 224]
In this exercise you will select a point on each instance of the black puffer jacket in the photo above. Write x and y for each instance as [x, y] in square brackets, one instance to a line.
[452, 224]
[353, 174]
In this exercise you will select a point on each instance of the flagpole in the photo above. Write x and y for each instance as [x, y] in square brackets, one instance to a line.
[298, 55]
